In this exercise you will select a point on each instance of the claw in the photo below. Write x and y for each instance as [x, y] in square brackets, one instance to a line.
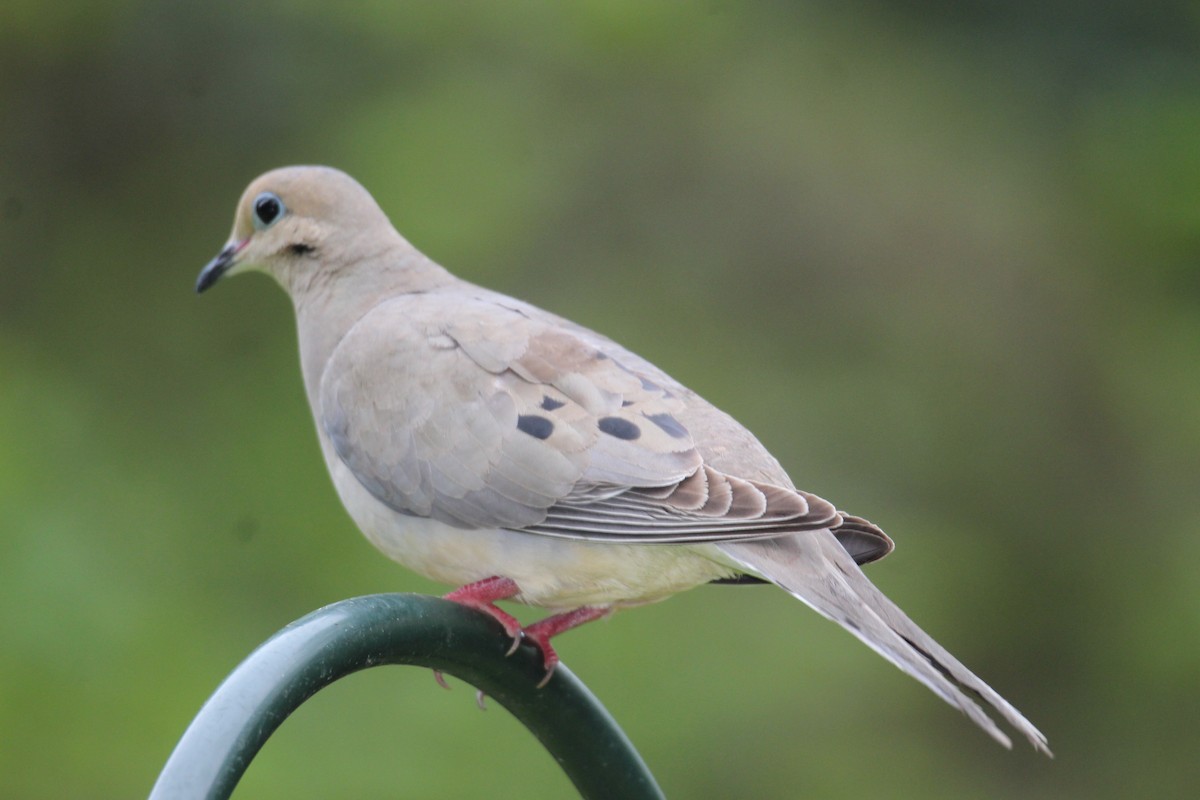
[441, 679]
[516, 643]
[482, 596]
[479, 700]
[546, 679]
[549, 656]
[541, 631]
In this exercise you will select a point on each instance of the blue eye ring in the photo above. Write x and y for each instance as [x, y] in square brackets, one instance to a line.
[268, 208]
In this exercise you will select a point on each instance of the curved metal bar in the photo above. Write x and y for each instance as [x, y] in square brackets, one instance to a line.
[363, 632]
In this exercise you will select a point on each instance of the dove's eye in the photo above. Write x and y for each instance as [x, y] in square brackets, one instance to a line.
[267, 209]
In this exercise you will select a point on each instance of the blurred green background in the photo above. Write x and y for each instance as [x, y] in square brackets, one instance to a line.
[941, 257]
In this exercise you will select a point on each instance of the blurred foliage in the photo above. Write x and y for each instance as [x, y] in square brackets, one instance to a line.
[941, 257]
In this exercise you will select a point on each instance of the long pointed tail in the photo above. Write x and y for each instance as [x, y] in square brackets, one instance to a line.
[815, 568]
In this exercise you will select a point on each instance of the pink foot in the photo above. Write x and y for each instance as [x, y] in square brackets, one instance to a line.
[482, 596]
[540, 632]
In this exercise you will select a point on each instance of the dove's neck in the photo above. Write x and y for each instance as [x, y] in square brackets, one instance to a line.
[327, 309]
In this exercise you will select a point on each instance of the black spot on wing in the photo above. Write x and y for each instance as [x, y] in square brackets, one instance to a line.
[549, 403]
[736, 580]
[535, 426]
[620, 428]
[671, 426]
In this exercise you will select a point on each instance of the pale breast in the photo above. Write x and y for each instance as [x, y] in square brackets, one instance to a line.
[552, 573]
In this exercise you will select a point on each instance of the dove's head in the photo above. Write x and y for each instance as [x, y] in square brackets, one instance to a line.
[297, 223]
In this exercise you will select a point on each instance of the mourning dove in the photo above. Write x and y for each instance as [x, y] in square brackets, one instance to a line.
[485, 443]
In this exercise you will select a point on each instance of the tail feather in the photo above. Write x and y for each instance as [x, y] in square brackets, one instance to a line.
[815, 568]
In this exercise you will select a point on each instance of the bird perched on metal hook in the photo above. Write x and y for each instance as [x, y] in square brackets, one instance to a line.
[488, 444]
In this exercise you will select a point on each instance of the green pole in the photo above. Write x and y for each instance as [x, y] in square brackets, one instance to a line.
[363, 632]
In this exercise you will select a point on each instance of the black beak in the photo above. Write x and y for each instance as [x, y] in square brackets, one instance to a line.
[214, 269]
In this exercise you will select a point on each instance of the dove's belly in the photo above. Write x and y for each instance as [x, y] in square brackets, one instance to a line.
[552, 573]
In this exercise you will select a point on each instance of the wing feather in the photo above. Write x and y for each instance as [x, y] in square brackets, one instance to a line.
[478, 415]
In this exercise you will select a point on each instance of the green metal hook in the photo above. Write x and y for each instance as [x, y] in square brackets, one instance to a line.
[363, 632]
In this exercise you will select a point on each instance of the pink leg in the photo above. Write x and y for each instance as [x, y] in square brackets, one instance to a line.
[540, 632]
[482, 596]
